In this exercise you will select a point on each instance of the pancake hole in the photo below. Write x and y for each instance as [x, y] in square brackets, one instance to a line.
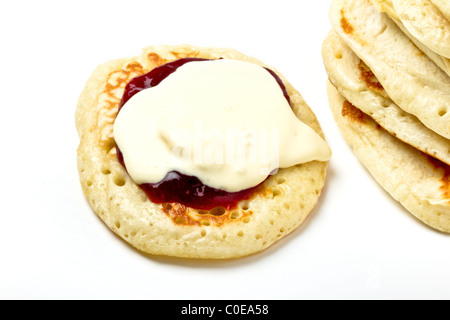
[110, 144]
[224, 236]
[384, 104]
[89, 183]
[245, 205]
[218, 211]
[338, 55]
[281, 180]
[203, 233]
[317, 191]
[206, 223]
[258, 236]
[202, 212]
[276, 192]
[272, 222]
[383, 29]
[105, 170]
[167, 207]
[282, 230]
[133, 233]
[180, 220]
[246, 220]
[144, 197]
[126, 236]
[235, 215]
[442, 112]
[240, 233]
[119, 181]
[117, 224]
[287, 206]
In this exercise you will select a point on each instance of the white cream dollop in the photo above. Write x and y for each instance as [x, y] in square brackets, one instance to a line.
[226, 122]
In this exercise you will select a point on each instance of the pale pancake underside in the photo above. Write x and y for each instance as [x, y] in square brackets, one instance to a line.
[395, 60]
[358, 85]
[420, 183]
[277, 209]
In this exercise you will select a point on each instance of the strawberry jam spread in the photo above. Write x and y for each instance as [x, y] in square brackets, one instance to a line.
[177, 187]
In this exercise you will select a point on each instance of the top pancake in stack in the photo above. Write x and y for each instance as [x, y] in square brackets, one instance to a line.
[426, 23]
[392, 101]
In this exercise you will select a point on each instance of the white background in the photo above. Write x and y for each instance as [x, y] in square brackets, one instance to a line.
[357, 244]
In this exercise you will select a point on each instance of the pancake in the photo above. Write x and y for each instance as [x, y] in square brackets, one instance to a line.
[276, 209]
[443, 6]
[388, 7]
[440, 61]
[419, 182]
[359, 86]
[426, 23]
[395, 60]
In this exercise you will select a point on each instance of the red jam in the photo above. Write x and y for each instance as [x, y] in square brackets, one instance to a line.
[177, 187]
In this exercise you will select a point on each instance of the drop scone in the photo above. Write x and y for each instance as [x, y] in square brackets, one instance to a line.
[351, 76]
[443, 6]
[198, 152]
[425, 23]
[391, 101]
[410, 78]
[419, 182]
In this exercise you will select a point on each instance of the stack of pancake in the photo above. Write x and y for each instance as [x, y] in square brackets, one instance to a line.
[388, 63]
